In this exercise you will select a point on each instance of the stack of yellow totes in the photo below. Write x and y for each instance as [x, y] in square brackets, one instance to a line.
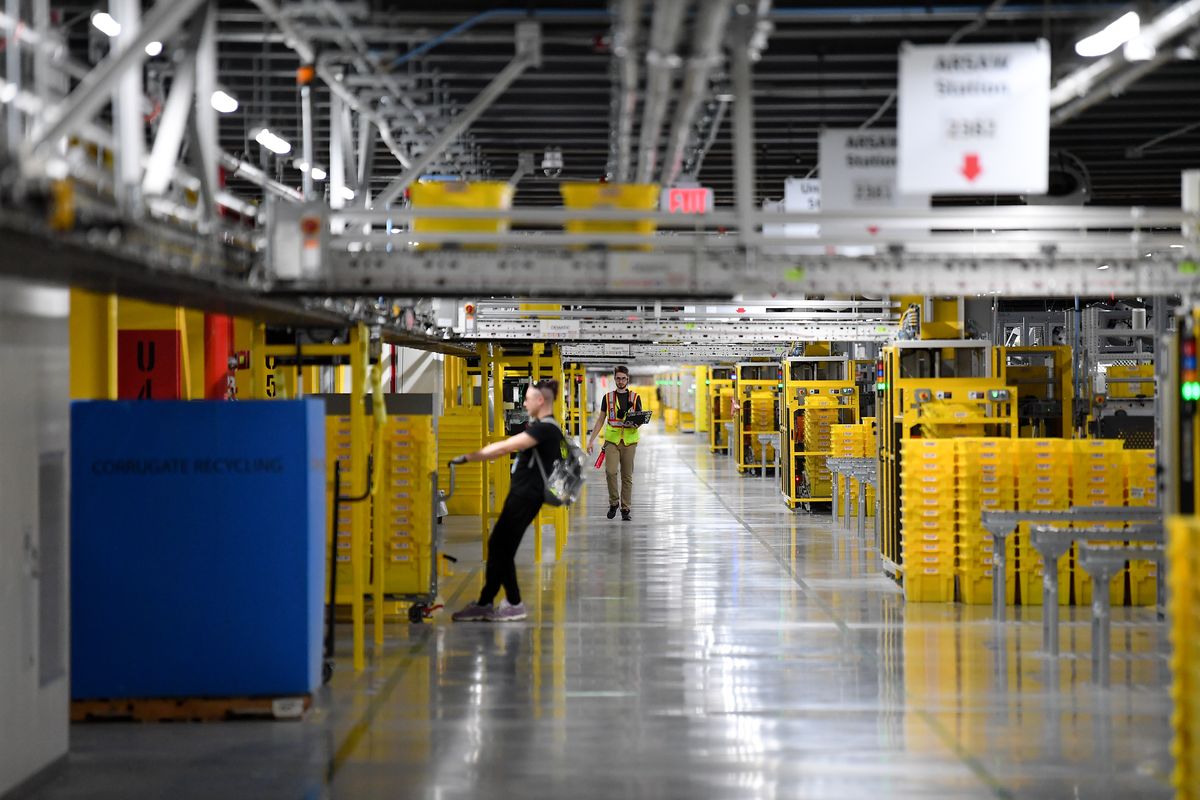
[927, 520]
[986, 481]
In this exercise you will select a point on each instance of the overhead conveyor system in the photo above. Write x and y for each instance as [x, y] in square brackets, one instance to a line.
[849, 320]
[668, 354]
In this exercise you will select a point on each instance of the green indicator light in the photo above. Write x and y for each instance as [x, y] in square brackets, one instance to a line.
[1191, 391]
[1188, 267]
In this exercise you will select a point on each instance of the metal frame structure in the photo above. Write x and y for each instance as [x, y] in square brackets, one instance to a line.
[799, 463]
[744, 389]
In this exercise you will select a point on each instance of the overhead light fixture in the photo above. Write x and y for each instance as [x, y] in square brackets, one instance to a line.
[1176, 247]
[153, 49]
[273, 142]
[104, 22]
[318, 174]
[1115, 34]
[347, 193]
[1102, 267]
[1139, 49]
[223, 102]
[8, 93]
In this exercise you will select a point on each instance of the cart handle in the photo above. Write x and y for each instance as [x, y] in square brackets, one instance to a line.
[450, 493]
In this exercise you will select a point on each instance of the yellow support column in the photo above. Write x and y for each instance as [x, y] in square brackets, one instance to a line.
[359, 519]
[379, 415]
[93, 341]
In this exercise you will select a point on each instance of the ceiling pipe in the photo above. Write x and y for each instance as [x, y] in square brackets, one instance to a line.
[661, 61]
[298, 43]
[706, 56]
[629, 15]
[1087, 86]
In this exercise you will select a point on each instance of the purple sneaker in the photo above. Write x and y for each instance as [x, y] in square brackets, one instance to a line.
[509, 613]
[473, 613]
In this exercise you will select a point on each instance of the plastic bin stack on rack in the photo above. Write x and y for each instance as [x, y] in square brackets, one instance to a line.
[1141, 490]
[820, 414]
[761, 419]
[460, 194]
[1097, 479]
[406, 540]
[1043, 484]
[1183, 553]
[1125, 388]
[337, 446]
[986, 481]
[846, 441]
[927, 520]
[616, 196]
[853, 441]
[459, 432]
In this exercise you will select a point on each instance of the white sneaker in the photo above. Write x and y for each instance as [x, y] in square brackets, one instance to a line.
[506, 612]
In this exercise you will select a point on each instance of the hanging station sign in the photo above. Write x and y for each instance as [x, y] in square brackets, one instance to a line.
[974, 119]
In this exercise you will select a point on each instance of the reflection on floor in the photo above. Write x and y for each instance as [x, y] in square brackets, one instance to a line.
[717, 646]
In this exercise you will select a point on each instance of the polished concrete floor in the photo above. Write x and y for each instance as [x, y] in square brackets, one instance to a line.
[718, 646]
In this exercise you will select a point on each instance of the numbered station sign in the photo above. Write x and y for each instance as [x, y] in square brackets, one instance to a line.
[858, 171]
[974, 119]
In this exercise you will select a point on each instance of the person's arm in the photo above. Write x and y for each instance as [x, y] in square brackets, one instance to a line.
[599, 426]
[513, 444]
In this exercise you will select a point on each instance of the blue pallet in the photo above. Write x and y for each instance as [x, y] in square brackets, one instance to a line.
[197, 548]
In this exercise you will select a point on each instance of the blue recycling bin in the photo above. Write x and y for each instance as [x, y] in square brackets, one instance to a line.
[197, 548]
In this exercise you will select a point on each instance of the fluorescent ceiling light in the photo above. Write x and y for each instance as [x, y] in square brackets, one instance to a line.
[224, 102]
[318, 174]
[104, 23]
[347, 193]
[1139, 49]
[8, 93]
[153, 49]
[1113, 36]
[1102, 266]
[272, 142]
[1176, 247]
[300, 165]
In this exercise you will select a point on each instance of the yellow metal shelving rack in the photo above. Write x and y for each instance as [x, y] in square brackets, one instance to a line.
[1042, 376]
[818, 392]
[719, 391]
[758, 386]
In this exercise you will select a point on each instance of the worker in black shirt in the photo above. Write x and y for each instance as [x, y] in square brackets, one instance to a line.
[525, 496]
[620, 443]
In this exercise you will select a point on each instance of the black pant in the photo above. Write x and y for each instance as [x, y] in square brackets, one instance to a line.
[518, 512]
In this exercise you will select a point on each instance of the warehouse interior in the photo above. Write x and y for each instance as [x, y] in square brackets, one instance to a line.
[910, 293]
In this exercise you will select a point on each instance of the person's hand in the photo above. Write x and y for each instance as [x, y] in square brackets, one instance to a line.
[591, 446]
[458, 460]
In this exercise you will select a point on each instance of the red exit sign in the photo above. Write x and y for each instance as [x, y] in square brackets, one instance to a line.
[687, 200]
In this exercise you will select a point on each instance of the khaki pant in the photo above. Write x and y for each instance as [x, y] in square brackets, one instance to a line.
[618, 458]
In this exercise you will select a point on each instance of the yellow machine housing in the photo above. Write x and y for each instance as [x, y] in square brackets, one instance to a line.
[950, 368]
[819, 391]
[758, 386]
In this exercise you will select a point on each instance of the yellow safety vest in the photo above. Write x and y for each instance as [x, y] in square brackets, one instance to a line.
[615, 430]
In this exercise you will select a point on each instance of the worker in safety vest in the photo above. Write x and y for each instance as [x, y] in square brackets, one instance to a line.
[620, 442]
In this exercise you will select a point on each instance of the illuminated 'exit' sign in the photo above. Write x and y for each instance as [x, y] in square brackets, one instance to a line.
[687, 200]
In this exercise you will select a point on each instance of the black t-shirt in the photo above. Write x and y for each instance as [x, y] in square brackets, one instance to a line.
[526, 477]
[622, 404]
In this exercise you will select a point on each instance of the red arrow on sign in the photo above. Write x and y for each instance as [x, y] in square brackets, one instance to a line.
[970, 168]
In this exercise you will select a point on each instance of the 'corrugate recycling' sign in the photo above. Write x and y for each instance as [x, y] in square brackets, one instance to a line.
[974, 119]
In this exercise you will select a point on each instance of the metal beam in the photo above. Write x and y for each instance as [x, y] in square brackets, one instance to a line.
[172, 124]
[629, 17]
[743, 125]
[706, 56]
[207, 152]
[726, 274]
[683, 332]
[93, 91]
[661, 61]
[528, 54]
[128, 124]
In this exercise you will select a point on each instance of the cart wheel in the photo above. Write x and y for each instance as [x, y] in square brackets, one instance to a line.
[326, 671]
[416, 613]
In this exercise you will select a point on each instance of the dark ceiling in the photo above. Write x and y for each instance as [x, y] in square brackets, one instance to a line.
[826, 64]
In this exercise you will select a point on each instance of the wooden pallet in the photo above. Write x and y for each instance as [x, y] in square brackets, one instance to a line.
[190, 709]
